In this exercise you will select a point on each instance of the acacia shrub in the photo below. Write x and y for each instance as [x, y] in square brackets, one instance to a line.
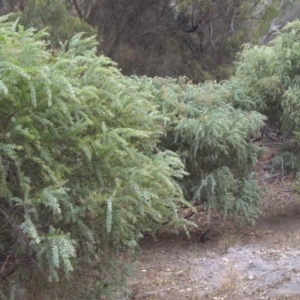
[268, 77]
[213, 139]
[81, 175]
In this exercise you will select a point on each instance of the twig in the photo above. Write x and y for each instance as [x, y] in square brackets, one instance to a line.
[270, 177]
[271, 137]
[148, 294]
[274, 144]
[185, 217]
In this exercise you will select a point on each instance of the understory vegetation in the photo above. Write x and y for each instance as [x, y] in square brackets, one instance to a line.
[91, 160]
[269, 77]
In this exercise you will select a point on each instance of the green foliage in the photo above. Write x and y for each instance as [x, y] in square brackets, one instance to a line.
[268, 77]
[56, 16]
[90, 160]
[81, 176]
[213, 140]
[268, 12]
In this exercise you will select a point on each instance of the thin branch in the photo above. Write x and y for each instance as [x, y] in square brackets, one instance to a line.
[77, 8]
[270, 177]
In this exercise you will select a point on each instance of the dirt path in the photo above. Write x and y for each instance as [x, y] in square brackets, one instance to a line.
[240, 262]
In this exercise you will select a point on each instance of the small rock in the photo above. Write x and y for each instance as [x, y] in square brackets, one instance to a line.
[250, 277]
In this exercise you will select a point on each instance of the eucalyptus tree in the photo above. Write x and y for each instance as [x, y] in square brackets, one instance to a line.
[215, 30]
[183, 37]
[57, 17]
[139, 35]
[196, 38]
[288, 11]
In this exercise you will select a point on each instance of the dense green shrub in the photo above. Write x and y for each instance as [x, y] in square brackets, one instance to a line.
[90, 160]
[268, 76]
[81, 175]
[213, 140]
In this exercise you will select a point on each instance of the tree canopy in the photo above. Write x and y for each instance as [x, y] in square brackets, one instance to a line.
[198, 38]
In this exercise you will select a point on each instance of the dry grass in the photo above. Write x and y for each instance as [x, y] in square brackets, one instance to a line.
[228, 240]
[230, 282]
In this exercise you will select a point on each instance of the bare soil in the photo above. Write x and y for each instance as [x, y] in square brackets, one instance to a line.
[239, 262]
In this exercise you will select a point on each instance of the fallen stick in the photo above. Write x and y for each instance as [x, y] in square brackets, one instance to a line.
[148, 294]
[274, 144]
[151, 293]
[270, 177]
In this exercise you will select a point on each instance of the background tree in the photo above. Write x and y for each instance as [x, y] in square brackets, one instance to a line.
[139, 35]
[162, 37]
[194, 38]
[57, 17]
